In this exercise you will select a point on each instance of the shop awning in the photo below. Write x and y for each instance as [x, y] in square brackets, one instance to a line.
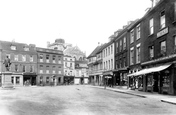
[150, 70]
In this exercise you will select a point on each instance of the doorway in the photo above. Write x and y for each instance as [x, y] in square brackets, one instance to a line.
[155, 82]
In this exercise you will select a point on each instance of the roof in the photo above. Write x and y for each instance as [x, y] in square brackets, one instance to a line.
[94, 52]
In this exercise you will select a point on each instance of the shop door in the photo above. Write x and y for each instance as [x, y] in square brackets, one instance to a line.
[155, 82]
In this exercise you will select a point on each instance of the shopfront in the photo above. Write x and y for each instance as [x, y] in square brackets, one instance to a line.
[157, 78]
[109, 78]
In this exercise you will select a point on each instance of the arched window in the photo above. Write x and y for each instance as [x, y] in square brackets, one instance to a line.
[80, 59]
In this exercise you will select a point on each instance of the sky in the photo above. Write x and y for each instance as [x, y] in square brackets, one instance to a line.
[82, 23]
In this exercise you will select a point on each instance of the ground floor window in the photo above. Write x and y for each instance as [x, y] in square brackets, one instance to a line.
[149, 80]
[59, 80]
[166, 78]
[41, 79]
[12, 80]
[47, 79]
[17, 80]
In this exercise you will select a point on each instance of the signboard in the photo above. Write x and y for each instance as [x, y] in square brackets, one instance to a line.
[162, 32]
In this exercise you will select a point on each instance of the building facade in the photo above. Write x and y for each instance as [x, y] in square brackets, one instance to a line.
[69, 69]
[108, 62]
[95, 65]
[81, 75]
[50, 67]
[158, 60]
[135, 36]
[23, 62]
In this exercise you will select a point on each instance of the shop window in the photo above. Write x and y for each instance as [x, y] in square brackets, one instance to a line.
[17, 80]
[149, 80]
[166, 79]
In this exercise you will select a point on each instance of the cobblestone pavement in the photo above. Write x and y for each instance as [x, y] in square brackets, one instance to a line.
[78, 100]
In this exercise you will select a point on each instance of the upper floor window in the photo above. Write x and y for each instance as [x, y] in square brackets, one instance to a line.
[132, 36]
[16, 57]
[151, 51]
[31, 68]
[175, 41]
[13, 47]
[124, 43]
[24, 68]
[54, 59]
[111, 49]
[138, 31]
[120, 45]
[26, 48]
[16, 67]
[41, 57]
[138, 53]
[47, 69]
[162, 20]
[31, 58]
[163, 47]
[106, 52]
[175, 11]
[132, 56]
[151, 27]
[117, 47]
[47, 58]
[23, 57]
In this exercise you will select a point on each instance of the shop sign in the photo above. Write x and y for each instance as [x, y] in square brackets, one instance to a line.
[161, 59]
[162, 32]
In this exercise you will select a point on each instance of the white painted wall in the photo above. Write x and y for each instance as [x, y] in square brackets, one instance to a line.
[108, 57]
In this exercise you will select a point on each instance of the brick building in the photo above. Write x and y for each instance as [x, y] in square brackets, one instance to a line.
[50, 66]
[159, 39]
[23, 62]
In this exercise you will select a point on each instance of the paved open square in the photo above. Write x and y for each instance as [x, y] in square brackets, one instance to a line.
[78, 100]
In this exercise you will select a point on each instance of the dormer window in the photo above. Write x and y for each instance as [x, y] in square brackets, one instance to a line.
[26, 48]
[13, 47]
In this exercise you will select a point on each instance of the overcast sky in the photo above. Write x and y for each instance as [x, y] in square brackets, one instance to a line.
[81, 22]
